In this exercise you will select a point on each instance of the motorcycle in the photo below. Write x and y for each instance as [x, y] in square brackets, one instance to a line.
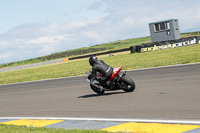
[118, 81]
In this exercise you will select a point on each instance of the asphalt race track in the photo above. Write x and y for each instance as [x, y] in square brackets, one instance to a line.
[161, 93]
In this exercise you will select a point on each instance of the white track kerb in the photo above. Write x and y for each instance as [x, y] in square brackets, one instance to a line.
[193, 122]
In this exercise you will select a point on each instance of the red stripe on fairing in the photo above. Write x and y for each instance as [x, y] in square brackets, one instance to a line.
[115, 72]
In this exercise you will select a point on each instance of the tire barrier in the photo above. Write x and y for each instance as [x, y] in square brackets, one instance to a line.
[132, 48]
[169, 44]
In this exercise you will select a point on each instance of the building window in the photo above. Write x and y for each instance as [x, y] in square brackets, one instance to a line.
[161, 26]
[156, 27]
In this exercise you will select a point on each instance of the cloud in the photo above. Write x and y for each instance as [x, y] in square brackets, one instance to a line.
[35, 40]
[122, 19]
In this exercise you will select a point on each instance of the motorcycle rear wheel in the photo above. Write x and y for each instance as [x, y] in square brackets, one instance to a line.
[127, 84]
[97, 90]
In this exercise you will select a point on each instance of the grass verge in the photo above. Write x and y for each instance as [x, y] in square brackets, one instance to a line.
[180, 55]
[25, 129]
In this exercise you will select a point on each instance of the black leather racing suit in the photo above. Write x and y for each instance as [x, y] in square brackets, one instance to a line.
[103, 68]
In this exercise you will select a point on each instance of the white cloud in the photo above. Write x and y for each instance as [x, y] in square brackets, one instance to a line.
[47, 39]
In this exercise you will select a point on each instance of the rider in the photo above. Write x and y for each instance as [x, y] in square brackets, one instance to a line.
[103, 68]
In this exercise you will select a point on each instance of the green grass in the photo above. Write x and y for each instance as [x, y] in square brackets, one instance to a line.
[25, 129]
[180, 55]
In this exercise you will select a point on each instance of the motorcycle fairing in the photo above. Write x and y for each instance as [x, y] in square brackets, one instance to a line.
[115, 72]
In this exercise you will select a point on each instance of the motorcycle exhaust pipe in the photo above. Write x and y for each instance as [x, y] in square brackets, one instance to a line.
[124, 72]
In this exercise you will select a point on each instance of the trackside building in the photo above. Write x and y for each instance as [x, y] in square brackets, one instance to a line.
[164, 30]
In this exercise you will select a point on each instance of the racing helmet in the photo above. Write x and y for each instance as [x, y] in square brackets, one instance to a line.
[92, 60]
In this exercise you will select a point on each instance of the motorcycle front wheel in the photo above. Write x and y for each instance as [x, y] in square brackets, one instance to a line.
[97, 90]
[127, 84]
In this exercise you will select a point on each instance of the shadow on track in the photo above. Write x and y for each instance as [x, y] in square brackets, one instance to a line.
[98, 95]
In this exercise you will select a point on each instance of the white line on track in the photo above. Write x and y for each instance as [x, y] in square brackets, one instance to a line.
[193, 122]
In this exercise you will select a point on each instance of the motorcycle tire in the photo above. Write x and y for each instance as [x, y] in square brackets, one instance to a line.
[97, 90]
[127, 84]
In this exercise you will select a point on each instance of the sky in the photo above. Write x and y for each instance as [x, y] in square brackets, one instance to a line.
[34, 28]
